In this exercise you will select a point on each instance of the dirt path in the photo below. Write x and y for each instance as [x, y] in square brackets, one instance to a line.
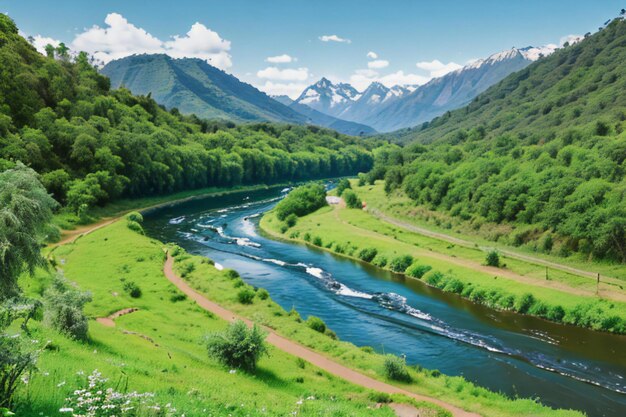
[510, 254]
[298, 350]
[110, 320]
[69, 236]
[605, 291]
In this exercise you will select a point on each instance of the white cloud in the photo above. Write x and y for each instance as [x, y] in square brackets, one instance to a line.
[288, 74]
[121, 38]
[364, 77]
[572, 39]
[200, 42]
[378, 64]
[292, 90]
[333, 38]
[372, 55]
[40, 42]
[280, 59]
[436, 68]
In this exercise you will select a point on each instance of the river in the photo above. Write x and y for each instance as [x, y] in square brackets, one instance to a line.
[560, 366]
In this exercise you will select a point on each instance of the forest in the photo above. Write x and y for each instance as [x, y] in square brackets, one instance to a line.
[92, 145]
[543, 151]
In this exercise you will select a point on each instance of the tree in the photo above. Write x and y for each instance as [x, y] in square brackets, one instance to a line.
[238, 346]
[50, 50]
[63, 51]
[352, 199]
[493, 258]
[63, 308]
[25, 211]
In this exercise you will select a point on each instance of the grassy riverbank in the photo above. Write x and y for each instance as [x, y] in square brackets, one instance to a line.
[159, 347]
[519, 286]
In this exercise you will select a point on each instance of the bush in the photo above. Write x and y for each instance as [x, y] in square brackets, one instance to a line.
[395, 368]
[63, 309]
[317, 241]
[134, 216]
[302, 201]
[263, 294]
[368, 254]
[134, 226]
[245, 296]
[343, 185]
[291, 220]
[352, 200]
[231, 273]
[493, 259]
[238, 346]
[401, 263]
[417, 271]
[316, 324]
[132, 289]
[380, 261]
[524, 303]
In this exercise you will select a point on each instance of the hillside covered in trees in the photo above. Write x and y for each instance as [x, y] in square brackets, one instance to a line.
[543, 151]
[92, 144]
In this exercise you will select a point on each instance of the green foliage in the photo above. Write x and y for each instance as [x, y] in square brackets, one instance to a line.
[395, 369]
[316, 324]
[134, 226]
[301, 201]
[401, 263]
[343, 185]
[493, 258]
[380, 261]
[93, 145]
[417, 270]
[263, 294]
[352, 199]
[16, 358]
[245, 295]
[25, 211]
[368, 254]
[317, 241]
[63, 308]
[291, 220]
[238, 346]
[545, 147]
[134, 216]
[132, 289]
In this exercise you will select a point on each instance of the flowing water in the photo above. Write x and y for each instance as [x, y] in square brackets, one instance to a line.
[560, 366]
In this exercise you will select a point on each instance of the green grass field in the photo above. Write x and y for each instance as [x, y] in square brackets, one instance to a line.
[399, 206]
[348, 231]
[160, 347]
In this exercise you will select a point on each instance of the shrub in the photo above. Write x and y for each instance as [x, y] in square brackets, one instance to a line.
[379, 397]
[307, 237]
[301, 201]
[555, 313]
[263, 294]
[368, 254]
[63, 309]
[238, 283]
[291, 220]
[343, 185]
[132, 289]
[231, 273]
[401, 263]
[493, 259]
[395, 368]
[434, 278]
[178, 297]
[417, 271]
[134, 216]
[134, 226]
[317, 241]
[187, 268]
[380, 261]
[524, 303]
[238, 346]
[316, 324]
[352, 200]
[245, 296]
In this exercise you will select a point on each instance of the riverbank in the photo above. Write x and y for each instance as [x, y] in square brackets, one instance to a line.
[158, 346]
[348, 232]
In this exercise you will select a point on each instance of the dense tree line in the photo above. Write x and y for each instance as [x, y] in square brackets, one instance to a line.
[92, 145]
[543, 151]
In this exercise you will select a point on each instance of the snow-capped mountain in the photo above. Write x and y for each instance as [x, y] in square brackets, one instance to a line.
[343, 101]
[329, 98]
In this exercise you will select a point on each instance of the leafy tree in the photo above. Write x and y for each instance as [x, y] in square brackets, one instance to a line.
[342, 185]
[493, 258]
[63, 308]
[50, 51]
[238, 346]
[352, 199]
[301, 201]
[25, 210]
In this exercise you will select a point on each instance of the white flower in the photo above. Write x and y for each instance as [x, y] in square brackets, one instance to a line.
[299, 402]
[232, 371]
[66, 410]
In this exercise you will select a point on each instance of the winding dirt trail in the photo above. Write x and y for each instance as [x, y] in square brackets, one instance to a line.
[298, 350]
[109, 321]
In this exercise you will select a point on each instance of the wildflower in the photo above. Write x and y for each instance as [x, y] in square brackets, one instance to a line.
[232, 371]
[66, 410]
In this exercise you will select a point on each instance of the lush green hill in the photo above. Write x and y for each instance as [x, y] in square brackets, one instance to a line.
[543, 152]
[195, 87]
[93, 145]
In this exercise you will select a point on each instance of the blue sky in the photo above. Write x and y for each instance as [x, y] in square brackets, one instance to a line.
[407, 41]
